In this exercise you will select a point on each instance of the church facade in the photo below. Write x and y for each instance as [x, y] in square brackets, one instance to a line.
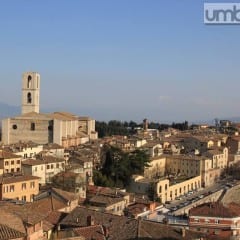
[63, 128]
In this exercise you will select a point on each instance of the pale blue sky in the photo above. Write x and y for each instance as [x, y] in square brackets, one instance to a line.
[121, 59]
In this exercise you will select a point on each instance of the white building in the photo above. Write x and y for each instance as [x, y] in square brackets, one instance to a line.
[45, 169]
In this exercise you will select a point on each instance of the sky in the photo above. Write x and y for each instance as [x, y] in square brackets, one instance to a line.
[121, 59]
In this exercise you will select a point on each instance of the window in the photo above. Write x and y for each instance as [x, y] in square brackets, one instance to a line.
[12, 169]
[18, 169]
[32, 126]
[6, 163]
[48, 166]
[216, 221]
[18, 161]
[32, 184]
[35, 169]
[24, 186]
[29, 98]
[52, 166]
[32, 197]
[11, 188]
[29, 82]
[12, 162]
[24, 198]
[14, 126]
[57, 166]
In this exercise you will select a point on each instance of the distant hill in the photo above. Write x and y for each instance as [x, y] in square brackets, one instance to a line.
[7, 110]
[234, 119]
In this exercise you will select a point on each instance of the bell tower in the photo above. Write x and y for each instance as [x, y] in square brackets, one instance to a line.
[30, 92]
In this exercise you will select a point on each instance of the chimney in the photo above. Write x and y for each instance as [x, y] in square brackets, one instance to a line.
[105, 231]
[183, 232]
[90, 220]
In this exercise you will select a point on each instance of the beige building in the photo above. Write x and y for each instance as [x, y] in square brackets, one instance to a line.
[153, 148]
[165, 189]
[19, 187]
[24, 149]
[209, 166]
[45, 168]
[63, 128]
[9, 162]
[113, 205]
[168, 190]
[157, 167]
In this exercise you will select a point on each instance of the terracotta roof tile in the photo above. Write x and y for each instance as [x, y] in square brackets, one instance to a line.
[119, 227]
[11, 220]
[33, 162]
[7, 233]
[55, 217]
[216, 209]
[13, 178]
[8, 155]
[95, 232]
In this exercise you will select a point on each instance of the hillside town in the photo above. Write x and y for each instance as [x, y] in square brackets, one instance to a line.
[59, 180]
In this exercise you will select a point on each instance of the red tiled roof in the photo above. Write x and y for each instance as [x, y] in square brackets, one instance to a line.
[8, 155]
[7, 232]
[13, 178]
[55, 217]
[23, 212]
[11, 220]
[33, 162]
[66, 195]
[47, 226]
[90, 232]
[216, 209]
[47, 205]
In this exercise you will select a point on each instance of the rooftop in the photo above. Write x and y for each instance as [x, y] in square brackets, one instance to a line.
[16, 177]
[7, 155]
[216, 209]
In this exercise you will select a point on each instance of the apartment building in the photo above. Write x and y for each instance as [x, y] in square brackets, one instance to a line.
[166, 189]
[216, 219]
[19, 187]
[9, 162]
[170, 189]
[156, 168]
[45, 168]
[24, 149]
[209, 165]
[153, 148]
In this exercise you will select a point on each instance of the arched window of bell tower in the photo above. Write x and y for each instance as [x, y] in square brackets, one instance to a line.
[29, 82]
[29, 98]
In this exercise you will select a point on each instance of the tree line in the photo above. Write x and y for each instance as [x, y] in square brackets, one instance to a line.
[115, 127]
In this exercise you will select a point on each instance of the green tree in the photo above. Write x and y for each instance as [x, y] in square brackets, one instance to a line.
[119, 166]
